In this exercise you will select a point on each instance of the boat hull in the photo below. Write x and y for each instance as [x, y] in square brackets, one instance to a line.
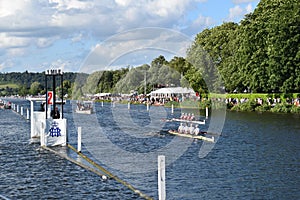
[88, 112]
[199, 137]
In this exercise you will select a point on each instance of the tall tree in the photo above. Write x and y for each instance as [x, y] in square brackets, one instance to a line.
[35, 88]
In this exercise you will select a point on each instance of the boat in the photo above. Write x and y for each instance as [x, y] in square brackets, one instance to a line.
[2, 104]
[85, 107]
[199, 137]
[5, 104]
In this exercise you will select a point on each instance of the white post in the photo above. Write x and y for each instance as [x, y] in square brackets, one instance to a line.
[147, 106]
[206, 112]
[31, 117]
[27, 116]
[161, 178]
[49, 112]
[79, 140]
[172, 111]
[18, 109]
[42, 132]
[102, 103]
[128, 106]
[22, 112]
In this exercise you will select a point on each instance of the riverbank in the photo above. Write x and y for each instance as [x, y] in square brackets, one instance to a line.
[275, 103]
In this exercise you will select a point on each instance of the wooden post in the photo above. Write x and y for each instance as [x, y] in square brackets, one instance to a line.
[206, 112]
[128, 106]
[79, 140]
[161, 178]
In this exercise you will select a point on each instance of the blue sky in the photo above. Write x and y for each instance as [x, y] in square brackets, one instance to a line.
[36, 35]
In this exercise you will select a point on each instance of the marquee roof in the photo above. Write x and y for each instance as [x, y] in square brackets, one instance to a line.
[172, 90]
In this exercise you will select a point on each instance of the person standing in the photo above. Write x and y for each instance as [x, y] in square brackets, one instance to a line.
[55, 113]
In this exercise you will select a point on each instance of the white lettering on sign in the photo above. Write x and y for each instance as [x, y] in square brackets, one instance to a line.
[53, 72]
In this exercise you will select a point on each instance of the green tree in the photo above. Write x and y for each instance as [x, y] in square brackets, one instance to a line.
[268, 54]
[23, 91]
[35, 88]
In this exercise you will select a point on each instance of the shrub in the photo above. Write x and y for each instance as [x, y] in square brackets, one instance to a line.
[295, 109]
[281, 108]
[263, 108]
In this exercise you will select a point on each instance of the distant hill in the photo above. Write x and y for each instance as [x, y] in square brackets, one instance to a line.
[19, 82]
[27, 78]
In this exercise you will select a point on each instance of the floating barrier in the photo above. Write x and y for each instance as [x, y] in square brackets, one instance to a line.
[110, 175]
[75, 162]
[3, 197]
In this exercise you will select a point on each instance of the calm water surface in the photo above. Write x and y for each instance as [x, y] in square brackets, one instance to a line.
[256, 157]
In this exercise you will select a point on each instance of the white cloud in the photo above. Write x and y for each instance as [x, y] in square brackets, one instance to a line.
[63, 5]
[235, 12]
[139, 42]
[238, 12]
[45, 41]
[6, 65]
[242, 1]
[39, 24]
[60, 64]
[10, 41]
[249, 8]
[123, 2]
[11, 7]
[198, 24]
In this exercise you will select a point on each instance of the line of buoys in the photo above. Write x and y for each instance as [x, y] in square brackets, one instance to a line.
[20, 110]
[3, 197]
[110, 174]
[103, 176]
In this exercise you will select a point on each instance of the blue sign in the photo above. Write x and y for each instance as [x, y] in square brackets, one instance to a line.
[55, 131]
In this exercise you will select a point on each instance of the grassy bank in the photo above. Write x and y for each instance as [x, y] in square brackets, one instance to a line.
[284, 103]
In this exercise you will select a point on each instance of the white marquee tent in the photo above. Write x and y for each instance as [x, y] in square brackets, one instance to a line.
[172, 91]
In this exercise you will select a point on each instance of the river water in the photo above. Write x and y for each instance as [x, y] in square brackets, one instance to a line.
[256, 157]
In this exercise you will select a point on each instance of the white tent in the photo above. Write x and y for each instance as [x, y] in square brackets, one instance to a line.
[171, 91]
[102, 94]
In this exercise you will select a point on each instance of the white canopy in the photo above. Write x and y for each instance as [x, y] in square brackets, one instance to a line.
[102, 94]
[172, 91]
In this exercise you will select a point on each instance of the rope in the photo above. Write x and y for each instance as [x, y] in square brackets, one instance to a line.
[110, 174]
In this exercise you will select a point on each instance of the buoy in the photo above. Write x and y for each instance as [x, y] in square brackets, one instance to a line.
[104, 177]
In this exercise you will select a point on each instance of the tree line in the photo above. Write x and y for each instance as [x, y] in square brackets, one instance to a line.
[260, 54]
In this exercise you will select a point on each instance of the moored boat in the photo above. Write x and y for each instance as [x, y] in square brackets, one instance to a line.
[84, 107]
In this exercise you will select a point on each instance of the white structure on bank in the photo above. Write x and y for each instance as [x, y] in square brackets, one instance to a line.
[172, 91]
[52, 130]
